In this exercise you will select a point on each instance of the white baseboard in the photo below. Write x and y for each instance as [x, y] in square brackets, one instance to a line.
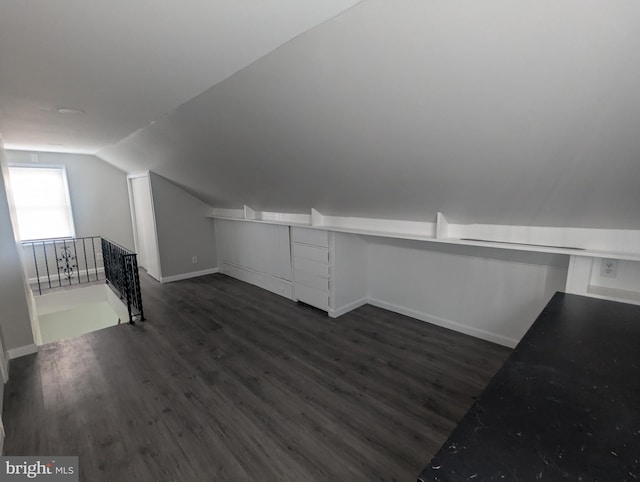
[55, 278]
[452, 325]
[192, 274]
[347, 308]
[22, 351]
[2, 435]
[276, 285]
[4, 368]
[435, 320]
[285, 288]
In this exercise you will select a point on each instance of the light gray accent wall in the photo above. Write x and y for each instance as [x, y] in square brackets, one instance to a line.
[495, 112]
[98, 192]
[183, 229]
[15, 320]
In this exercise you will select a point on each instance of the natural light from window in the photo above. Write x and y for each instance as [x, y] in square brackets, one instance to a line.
[41, 198]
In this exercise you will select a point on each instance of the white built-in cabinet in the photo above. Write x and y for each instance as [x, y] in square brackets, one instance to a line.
[311, 269]
[489, 289]
[318, 267]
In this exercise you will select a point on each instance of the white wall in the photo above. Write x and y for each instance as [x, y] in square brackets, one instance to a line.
[627, 276]
[77, 321]
[492, 294]
[15, 317]
[588, 276]
[52, 306]
[349, 275]
[98, 192]
[183, 229]
[63, 300]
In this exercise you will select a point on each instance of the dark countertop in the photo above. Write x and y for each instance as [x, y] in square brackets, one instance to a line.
[564, 406]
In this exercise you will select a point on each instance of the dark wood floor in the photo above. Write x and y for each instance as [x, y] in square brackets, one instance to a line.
[228, 382]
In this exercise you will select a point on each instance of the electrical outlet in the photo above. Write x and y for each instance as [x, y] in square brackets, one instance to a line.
[608, 268]
[194, 259]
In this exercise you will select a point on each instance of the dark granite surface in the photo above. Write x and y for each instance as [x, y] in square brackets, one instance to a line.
[564, 406]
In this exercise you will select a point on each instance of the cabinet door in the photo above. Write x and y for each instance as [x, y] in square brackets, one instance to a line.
[312, 296]
[145, 225]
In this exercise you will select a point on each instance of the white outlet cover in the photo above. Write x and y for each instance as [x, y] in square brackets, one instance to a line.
[608, 268]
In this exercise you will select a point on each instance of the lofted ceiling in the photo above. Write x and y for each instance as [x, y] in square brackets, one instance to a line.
[522, 112]
[501, 112]
[126, 64]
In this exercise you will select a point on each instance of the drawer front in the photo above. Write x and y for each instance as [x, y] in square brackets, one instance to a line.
[311, 296]
[313, 268]
[312, 253]
[311, 281]
[316, 237]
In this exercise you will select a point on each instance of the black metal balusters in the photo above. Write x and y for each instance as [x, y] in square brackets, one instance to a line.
[121, 272]
[72, 262]
[119, 267]
[35, 263]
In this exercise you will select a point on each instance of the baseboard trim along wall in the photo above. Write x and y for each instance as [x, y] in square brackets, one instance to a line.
[335, 313]
[22, 351]
[283, 288]
[192, 274]
[58, 279]
[5, 371]
[2, 435]
[451, 325]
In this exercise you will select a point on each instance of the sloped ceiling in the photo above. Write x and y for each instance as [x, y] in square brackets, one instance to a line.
[127, 63]
[501, 111]
[518, 112]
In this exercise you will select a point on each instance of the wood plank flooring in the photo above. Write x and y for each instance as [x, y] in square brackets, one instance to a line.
[229, 382]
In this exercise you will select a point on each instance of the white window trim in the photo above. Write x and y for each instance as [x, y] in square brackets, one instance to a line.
[63, 168]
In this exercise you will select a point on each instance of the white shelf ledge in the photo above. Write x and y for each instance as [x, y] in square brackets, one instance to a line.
[591, 253]
[420, 231]
[378, 233]
[262, 221]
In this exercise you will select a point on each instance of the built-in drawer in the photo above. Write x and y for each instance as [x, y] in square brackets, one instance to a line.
[311, 296]
[313, 253]
[316, 237]
[310, 280]
[313, 268]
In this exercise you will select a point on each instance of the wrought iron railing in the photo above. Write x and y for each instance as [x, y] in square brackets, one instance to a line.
[55, 263]
[121, 272]
[59, 263]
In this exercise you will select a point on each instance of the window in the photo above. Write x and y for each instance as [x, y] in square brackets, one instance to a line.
[41, 198]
